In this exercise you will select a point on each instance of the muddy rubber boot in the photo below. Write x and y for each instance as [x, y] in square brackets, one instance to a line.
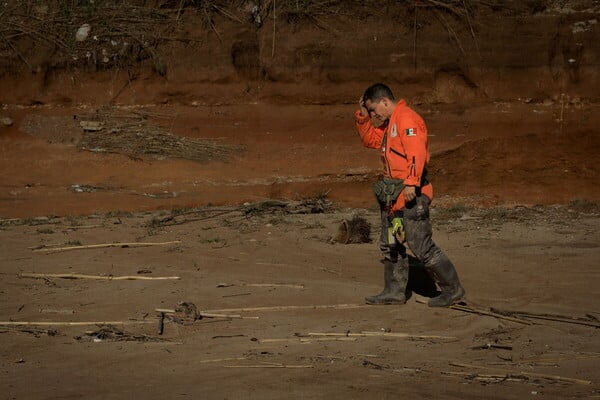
[395, 277]
[447, 278]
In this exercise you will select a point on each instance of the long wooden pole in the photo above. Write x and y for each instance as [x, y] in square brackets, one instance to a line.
[99, 277]
[73, 323]
[382, 334]
[286, 308]
[104, 245]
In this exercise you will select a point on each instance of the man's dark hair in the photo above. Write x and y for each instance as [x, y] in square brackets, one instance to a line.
[376, 92]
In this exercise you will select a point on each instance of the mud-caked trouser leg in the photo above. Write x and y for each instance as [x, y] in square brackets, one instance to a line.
[395, 269]
[417, 227]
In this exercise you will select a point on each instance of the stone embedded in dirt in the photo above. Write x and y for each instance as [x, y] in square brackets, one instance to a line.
[91, 126]
[83, 32]
[6, 121]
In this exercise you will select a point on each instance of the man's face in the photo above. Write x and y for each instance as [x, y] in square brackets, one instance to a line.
[378, 109]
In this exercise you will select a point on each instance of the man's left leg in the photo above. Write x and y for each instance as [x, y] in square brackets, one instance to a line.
[418, 237]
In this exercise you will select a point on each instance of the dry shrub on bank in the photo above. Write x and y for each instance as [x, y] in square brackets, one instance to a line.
[97, 34]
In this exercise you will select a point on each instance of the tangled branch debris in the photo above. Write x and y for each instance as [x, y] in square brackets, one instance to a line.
[114, 334]
[130, 133]
[316, 205]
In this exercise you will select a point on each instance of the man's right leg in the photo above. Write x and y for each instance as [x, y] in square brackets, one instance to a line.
[395, 268]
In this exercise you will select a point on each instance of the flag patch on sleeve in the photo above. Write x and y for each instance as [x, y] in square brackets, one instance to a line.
[411, 131]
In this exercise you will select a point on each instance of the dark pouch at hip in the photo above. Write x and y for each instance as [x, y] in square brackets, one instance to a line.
[387, 190]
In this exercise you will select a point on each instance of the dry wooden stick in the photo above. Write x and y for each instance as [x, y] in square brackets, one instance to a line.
[274, 19]
[415, 41]
[554, 360]
[268, 366]
[76, 323]
[287, 308]
[549, 317]
[221, 359]
[329, 339]
[212, 315]
[471, 28]
[558, 319]
[98, 277]
[103, 245]
[488, 313]
[382, 334]
[527, 374]
[486, 377]
[480, 311]
[204, 314]
[75, 227]
[309, 340]
[287, 285]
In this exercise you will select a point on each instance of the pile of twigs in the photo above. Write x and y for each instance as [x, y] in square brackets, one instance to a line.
[130, 133]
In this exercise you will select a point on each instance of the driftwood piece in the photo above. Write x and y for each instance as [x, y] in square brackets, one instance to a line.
[220, 360]
[290, 308]
[28, 329]
[480, 311]
[383, 334]
[549, 317]
[204, 314]
[286, 285]
[112, 333]
[105, 245]
[533, 375]
[98, 277]
[555, 359]
[487, 377]
[491, 346]
[301, 340]
[71, 323]
[161, 323]
[268, 366]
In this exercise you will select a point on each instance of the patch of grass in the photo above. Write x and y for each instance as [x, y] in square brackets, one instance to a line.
[212, 240]
[584, 206]
[278, 220]
[453, 212]
[73, 221]
[314, 225]
[118, 214]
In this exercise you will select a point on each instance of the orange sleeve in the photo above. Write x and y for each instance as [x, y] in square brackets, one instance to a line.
[370, 135]
[413, 134]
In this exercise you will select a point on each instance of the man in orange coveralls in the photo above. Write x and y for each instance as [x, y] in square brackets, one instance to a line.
[404, 195]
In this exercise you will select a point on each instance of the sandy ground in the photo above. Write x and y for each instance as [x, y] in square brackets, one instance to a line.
[492, 163]
[540, 260]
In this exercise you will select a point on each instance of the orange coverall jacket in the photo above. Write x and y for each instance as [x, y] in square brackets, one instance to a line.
[403, 144]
